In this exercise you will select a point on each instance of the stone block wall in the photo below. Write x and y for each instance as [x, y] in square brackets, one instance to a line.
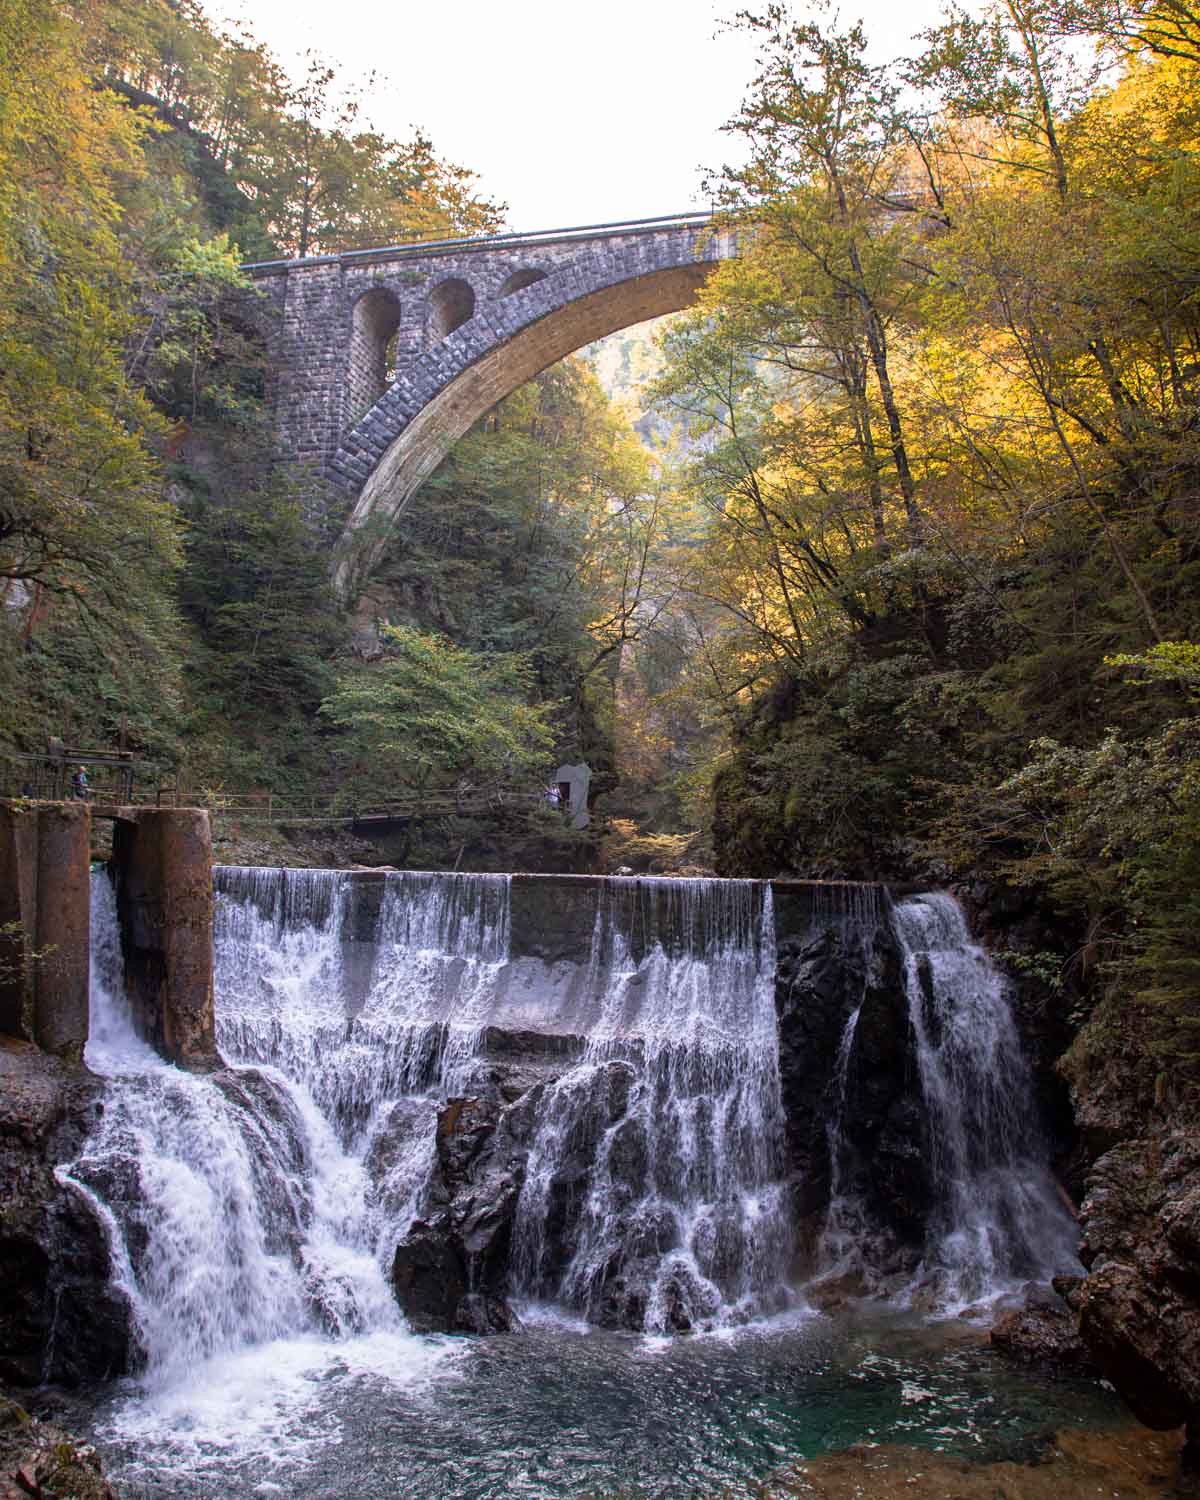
[326, 356]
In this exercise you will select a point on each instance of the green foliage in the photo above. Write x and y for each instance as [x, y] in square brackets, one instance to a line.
[431, 710]
[160, 575]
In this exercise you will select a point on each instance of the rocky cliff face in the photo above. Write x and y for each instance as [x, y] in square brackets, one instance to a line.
[1138, 1308]
[833, 970]
[1128, 1155]
[60, 1318]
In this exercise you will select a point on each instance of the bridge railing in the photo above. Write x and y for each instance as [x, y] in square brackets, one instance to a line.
[516, 240]
[121, 781]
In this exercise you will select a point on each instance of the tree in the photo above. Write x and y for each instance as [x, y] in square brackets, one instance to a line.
[431, 710]
[82, 519]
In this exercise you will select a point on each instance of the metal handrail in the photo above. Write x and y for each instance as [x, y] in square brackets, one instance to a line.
[410, 249]
[48, 778]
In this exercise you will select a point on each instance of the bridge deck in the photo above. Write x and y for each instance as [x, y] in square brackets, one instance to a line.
[510, 240]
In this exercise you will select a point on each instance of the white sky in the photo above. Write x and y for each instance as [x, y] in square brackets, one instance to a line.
[570, 113]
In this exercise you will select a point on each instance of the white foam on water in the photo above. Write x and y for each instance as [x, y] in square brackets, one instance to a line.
[677, 1099]
[271, 1403]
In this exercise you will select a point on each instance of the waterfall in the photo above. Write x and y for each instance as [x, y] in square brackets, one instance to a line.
[845, 1230]
[234, 1214]
[264, 1201]
[999, 1218]
[359, 1015]
[653, 1193]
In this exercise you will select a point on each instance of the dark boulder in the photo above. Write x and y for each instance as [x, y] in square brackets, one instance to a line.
[1139, 1305]
[1043, 1331]
[886, 1160]
[872, 1114]
[818, 984]
[429, 1278]
[450, 1271]
[60, 1318]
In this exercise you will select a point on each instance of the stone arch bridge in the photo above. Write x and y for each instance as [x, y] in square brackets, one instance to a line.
[379, 360]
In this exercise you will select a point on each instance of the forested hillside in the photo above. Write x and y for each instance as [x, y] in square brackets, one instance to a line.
[161, 573]
[949, 508]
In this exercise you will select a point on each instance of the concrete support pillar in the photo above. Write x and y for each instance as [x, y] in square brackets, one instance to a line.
[45, 923]
[64, 927]
[162, 863]
[18, 918]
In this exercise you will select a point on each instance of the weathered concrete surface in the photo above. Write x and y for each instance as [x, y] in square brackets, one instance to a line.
[45, 909]
[64, 902]
[18, 918]
[162, 865]
[553, 916]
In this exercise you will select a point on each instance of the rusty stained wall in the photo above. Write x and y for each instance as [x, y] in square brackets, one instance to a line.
[162, 868]
[45, 924]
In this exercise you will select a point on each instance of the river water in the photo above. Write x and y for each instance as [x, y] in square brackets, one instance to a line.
[253, 1212]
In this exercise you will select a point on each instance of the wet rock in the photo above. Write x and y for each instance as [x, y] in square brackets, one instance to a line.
[1042, 1332]
[837, 966]
[479, 1312]
[429, 1278]
[450, 1270]
[60, 1319]
[815, 994]
[831, 1293]
[1139, 1306]
[888, 1165]
[1075, 1464]
[40, 1461]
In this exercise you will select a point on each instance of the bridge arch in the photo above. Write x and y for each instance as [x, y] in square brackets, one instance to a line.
[396, 445]
[374, 321]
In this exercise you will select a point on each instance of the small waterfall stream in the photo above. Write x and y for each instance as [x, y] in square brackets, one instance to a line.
[681, 1221]
[999, 1218]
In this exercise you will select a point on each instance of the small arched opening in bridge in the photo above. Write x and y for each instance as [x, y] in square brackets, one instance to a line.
[373, 337]
[451, 303]
[519, 280]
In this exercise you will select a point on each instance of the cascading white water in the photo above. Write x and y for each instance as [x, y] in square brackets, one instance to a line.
[270, 1181]
[285, 961]
[653, 1193]
[999, 1218]
[268, 1198]
[235, 1215]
